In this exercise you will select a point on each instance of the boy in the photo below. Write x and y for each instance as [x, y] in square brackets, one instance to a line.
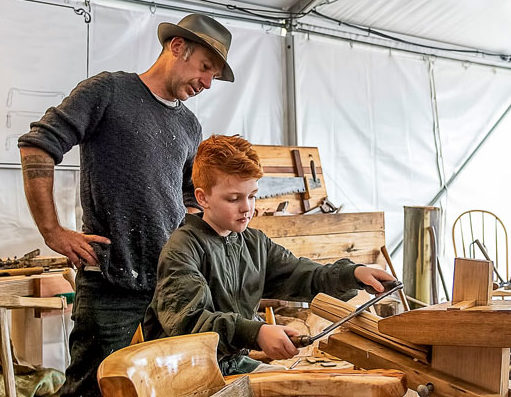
[214, 270]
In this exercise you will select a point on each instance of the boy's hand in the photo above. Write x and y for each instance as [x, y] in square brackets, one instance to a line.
[372, 277]
[274, 340]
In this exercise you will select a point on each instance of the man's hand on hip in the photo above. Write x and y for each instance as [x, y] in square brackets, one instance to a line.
[76, 246]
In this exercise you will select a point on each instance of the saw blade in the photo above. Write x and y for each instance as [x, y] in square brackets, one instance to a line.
[273, 186]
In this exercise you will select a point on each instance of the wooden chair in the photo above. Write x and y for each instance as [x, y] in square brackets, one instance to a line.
[170, 367]
[488, 229]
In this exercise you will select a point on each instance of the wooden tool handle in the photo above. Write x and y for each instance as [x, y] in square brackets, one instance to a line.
[401, 293]
[387, 286]
[301, 340]
[26, 271]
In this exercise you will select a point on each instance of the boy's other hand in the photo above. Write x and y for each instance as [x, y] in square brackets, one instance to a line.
[275, 342]
[372, 277]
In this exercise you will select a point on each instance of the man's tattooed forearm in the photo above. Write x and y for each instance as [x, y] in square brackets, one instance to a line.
[37, 166]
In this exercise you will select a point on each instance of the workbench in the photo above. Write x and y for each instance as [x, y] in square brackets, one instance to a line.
[469, 338]
[27, 330]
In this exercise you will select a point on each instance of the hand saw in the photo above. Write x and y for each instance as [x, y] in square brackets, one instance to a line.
[272, 186]
[390, 288]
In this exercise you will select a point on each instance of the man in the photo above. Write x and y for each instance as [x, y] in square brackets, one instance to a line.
[137, 144]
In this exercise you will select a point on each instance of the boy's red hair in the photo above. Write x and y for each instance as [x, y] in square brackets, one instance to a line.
[231, 155]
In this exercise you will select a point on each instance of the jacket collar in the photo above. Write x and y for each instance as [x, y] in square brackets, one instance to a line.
[196, 221]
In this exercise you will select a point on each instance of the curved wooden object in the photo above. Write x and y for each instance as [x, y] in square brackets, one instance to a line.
[326, 383]
[170, 367]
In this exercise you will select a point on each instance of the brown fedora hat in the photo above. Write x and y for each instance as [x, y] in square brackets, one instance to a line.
[205, 31]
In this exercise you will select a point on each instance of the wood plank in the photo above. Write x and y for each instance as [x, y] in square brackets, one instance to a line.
[488, 326]
[327, 383]
[486, 367]
[18, 302]
[367, 258]
[462, 305]
[6, 355]
[319, 224]
[369, 355]
[26, 285]
[27, 335]
[332, 245]
[17, 285]
[269, 169]
[25, 271]
[297, 162]
[395, 344]
[472, 280]
[275, 155]
[365, 324]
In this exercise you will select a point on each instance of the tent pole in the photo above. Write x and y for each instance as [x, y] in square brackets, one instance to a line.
[291, 137]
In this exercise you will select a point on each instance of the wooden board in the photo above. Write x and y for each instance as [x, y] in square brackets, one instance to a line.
[488, 367]
[320, 224]
[368, 354]
[17, 302]
[472, 280]
[278, 161]
[365, 324]
[27, 328]
[328, 237]
[326, 383]
[488, 326]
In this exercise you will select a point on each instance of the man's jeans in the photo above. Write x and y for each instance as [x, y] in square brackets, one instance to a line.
[105, 319]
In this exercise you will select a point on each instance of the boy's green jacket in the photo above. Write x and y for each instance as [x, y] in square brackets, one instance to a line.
[207, 282]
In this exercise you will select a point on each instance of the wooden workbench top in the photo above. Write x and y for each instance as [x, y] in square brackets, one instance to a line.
[488, 326]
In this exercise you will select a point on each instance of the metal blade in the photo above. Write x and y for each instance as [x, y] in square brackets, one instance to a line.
[272, 186]
[398, 285]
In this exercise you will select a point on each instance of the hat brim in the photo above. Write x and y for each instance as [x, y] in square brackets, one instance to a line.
[166, 30]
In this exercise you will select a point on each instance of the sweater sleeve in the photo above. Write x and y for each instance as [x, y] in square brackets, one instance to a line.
[300, 279]
[184, 304]
[73, 121]
[188, 188]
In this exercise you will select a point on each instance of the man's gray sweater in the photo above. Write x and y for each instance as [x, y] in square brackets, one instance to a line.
[136, 157]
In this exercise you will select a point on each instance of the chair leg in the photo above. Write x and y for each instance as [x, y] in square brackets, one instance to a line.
[6, 355]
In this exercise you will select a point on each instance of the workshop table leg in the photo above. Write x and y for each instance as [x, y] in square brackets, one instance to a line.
[6, 355]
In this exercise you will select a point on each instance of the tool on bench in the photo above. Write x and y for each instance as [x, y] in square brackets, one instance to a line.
[32, 263]
[386, 255]
[390, 288]
[502, 283]
[326, 207]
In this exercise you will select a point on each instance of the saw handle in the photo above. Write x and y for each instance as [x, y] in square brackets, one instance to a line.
[387, 285]
[301, 340]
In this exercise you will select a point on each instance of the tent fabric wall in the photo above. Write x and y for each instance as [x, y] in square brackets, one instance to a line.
[370, 116]
[376, 138]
